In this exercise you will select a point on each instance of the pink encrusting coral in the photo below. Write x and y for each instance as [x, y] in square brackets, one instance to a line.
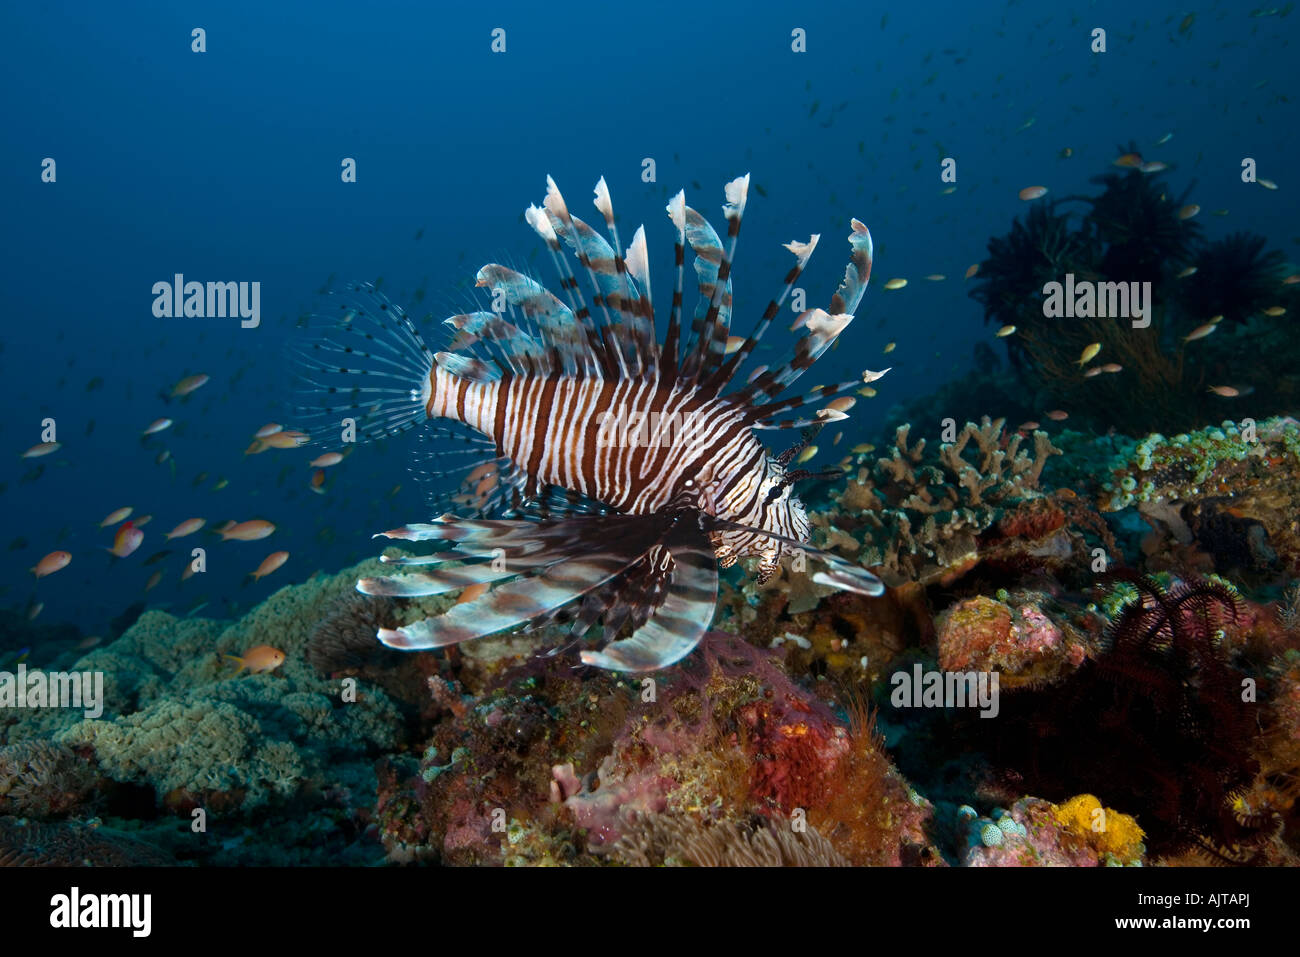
[724, 740]
[1019, 641]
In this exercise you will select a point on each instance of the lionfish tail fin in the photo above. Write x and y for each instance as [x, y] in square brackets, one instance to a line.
[368, 364]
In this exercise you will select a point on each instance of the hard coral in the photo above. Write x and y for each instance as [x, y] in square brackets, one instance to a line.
[1020, 642]
[24, 844]
[1233, 489]
[917, 517]
[41, 779]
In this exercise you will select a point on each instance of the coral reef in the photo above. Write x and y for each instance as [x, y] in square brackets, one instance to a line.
[547, 766]
[1132, 232]
[1037, 833]
[1020, 641]
[1232, 490]
[41, 779]
[180, 731]
[914, 517]
[29, 844]
[649, 840]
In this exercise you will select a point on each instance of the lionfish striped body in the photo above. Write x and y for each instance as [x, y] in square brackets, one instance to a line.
[623, 470]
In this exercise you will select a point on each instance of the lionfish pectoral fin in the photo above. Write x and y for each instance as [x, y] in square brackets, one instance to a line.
[678, 624]
[437, 582]
[511, 605]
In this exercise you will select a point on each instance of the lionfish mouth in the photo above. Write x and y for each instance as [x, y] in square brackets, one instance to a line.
[562, 526]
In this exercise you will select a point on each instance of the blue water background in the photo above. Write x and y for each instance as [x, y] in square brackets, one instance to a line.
[225, 165]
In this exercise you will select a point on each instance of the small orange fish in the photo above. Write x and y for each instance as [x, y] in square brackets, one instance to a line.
[154, 579]
[126, 541]
[1184, 273]
[156, 426]
[1112, 367]
[142, 520]
[1058, 415]
[1188, 211]
[936, 277]
[1095, 370]
[1200, 332]
[1155, 166]
[318, 481]
[895, 283]
[188, 385]
[247, 531]
[733, 344]
[269, 564]
[1292, 279]
[1027, 426]
[258, 660]
[285, 439]
[1227, 391]
[269, 429]
[326, 460]
[43, 448]
[1033, 192]
[971, 270]
[1129, 160]
[51, 563]
[187, 527]
[471, 592]
[115, 516]
[1275, 311]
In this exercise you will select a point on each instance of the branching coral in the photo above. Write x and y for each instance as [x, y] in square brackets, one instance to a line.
[917, 517]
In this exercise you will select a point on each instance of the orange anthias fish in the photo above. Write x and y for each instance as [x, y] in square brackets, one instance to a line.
[115, 516]
[188, 385]
[281, 439]
[51, 563]
[127, 540]
[259, 660]
[187, 527]
[42, 448]
[269, 564]
[246, 531]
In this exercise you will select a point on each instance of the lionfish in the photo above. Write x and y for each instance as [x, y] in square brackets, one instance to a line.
[620, 472]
